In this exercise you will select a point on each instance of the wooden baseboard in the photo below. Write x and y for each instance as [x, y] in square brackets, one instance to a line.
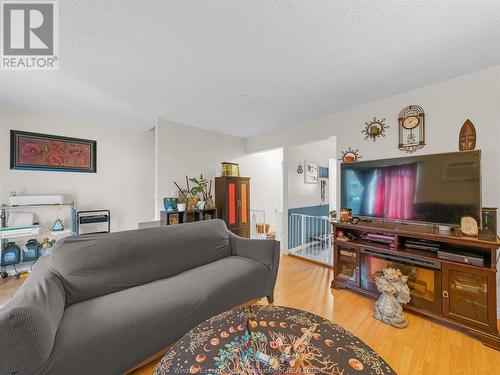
[161, 353]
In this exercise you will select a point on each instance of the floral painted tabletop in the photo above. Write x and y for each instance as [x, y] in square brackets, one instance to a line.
[270, 340]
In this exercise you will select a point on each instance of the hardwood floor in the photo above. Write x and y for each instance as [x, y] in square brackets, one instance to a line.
[424, 347]
[8, 287]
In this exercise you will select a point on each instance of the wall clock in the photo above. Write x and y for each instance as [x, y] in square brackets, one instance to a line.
[374, 129]
[411, 128]
[350, 156]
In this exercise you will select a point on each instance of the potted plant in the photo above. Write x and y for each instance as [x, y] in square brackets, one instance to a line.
[184, 198]
[203, 189]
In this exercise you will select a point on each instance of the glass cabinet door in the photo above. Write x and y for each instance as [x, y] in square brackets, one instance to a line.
[243, 202]
[347, 267]
[424, 282]
[232, 203]
[466, 296]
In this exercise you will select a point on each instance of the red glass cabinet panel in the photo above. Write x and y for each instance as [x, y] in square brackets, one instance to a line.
[243, 203]
[232, 203]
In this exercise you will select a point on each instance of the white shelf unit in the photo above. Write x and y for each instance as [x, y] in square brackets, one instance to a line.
[7, 234]
[19, 232]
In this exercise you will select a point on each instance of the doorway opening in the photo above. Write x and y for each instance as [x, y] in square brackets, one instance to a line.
[310, 197]
[265, 170]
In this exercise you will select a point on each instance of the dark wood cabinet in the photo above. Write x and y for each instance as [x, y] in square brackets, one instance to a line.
[457, 293]
[189, 216]
[232, 199]
[347, 265]
[469, 296]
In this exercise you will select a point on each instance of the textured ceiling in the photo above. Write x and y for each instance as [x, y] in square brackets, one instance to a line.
[248, 67]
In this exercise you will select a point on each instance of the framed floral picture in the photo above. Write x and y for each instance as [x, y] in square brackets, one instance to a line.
[310, 172]
[34, 151]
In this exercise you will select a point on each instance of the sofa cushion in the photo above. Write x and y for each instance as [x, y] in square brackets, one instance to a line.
[111, 334]
[29, 322]
[95, 265]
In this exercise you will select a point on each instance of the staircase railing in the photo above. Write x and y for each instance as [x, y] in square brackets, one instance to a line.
[306, 231]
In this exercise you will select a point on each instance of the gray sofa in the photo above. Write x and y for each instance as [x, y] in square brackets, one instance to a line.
[101, 304]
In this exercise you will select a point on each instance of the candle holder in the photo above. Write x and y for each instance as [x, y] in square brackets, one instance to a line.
[333, 214]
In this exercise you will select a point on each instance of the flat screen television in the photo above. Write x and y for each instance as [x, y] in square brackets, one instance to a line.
[438, 188]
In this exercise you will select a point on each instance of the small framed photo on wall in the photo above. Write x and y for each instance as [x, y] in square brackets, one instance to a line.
[311, 172]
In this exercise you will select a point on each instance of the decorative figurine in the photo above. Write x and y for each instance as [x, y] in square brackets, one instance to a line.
[395, 292]
[300, 169]
[467, 138]
[333, 214]
[345, 215]
[342, 237]
[58, 226]
[468, 226]
[45, 247]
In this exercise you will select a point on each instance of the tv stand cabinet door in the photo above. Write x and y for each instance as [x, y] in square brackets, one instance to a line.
[346, 263]
[469, 296]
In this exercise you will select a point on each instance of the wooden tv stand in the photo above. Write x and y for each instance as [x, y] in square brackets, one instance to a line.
[459, 294]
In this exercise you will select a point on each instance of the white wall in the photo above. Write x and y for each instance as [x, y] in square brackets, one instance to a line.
[124, 179]
[446, 104]
[301, 194]
[185, 150]
[266, 182]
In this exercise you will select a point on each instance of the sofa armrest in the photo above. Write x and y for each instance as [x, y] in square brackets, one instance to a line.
[262, 251]
[29, 322]
[266, 252]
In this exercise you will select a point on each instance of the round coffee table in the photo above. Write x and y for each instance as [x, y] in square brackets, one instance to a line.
[270, 340]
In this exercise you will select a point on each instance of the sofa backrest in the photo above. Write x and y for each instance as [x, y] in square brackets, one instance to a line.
[29, 322]
[95, 265]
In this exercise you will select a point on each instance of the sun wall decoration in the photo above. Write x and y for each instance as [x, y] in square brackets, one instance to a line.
[350, 155]
[374, 129]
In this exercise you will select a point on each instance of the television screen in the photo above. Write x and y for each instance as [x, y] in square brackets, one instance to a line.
[439, 188]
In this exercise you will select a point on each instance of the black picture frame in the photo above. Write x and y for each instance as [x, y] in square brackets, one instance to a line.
[15, 164]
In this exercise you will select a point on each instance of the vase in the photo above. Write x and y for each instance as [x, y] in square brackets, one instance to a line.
[209, 203]
[30, 250]
[200, 205]
[45, 248]
[11, 254]
[170, 203]
[192, 203]
[181, 207]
